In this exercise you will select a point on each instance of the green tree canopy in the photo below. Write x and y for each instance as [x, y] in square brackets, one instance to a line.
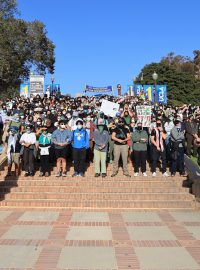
[23, 46]
[178, 73]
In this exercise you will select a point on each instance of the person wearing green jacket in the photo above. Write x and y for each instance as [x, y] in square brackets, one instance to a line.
[139, 142]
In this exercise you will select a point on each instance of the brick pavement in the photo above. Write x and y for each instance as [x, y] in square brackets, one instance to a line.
[65, 239]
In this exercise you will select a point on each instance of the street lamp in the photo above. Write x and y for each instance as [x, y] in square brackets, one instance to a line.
[155, 77]
[52, 81]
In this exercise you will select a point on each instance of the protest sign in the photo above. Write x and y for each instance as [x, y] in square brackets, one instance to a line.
[109, 108]
[144, 115]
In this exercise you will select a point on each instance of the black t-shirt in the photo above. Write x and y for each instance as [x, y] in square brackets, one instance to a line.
[121, 133]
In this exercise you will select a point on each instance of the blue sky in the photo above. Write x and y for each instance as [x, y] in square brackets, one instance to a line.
[106, 42]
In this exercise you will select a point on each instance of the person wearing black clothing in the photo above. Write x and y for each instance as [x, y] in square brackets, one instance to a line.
[120, 136]
[191, 129]
[158, 137]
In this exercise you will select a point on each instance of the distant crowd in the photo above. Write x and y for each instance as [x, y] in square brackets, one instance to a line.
[48, 130]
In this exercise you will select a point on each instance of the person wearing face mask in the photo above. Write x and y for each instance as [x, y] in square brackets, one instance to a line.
[44, 146]
[16, 122]
[101, 138]
[177, 149]
[139, 142]
[61, 137]
[90, 128]
[120, 136]
[191, 129]
[13, 148]
[80, 144]
[158, 149]
[28, 141]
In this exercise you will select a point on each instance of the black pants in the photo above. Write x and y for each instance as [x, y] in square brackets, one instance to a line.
[28, 158]
[155, 155]
[79, 156]
[178, 163]
[44, 164]
[140, 158]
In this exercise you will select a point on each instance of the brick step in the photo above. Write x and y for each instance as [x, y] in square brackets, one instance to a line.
[83, 182]
[102, 204]
[58, 189]
[96, 196]
[119, 177]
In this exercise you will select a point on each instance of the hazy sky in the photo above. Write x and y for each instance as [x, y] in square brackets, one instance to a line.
[105, 42]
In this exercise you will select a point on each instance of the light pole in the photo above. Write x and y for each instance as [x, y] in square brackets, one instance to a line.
[52, 81]
[155, 77]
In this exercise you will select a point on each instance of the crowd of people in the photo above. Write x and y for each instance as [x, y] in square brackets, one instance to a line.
[48, 130]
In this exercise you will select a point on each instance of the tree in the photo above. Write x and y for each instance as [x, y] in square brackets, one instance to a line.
[177, 72]
[23, 46]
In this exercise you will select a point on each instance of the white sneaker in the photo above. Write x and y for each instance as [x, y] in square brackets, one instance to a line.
[136, 174]
[154, 174]
[144, 174]
[166, 174]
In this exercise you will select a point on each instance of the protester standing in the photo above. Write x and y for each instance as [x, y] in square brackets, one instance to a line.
[177, 149]
[80, 144]
[61, 137]
[120, 136]
[139, 145]
[28, 141]
[44, 146]
[101, 138]
[158, 151]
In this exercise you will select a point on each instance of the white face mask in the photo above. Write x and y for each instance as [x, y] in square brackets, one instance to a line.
[79, 126]
[88, 119]
[62, 126]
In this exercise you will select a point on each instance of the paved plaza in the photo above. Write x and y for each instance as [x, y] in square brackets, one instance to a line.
[66, 239]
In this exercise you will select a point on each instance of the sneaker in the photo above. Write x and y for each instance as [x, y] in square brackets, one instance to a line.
[165, 174]
[31, 174]
[82, 174]
[75, 174]
[144, 174]
[41, 174]
[64, 174]
[97, 175]
[173, 175]
[47, 174]
[136, 174]
[58, 174]
[154, 174]
[26, 174]
[104, 175]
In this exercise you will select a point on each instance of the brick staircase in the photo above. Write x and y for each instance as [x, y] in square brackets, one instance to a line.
[119, 192]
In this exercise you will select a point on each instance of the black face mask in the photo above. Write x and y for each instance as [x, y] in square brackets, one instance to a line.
[120, 123]
[139, 128]
[158, 125]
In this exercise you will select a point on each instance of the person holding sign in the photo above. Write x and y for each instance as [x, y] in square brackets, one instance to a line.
[44, 145]
[120, 136]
